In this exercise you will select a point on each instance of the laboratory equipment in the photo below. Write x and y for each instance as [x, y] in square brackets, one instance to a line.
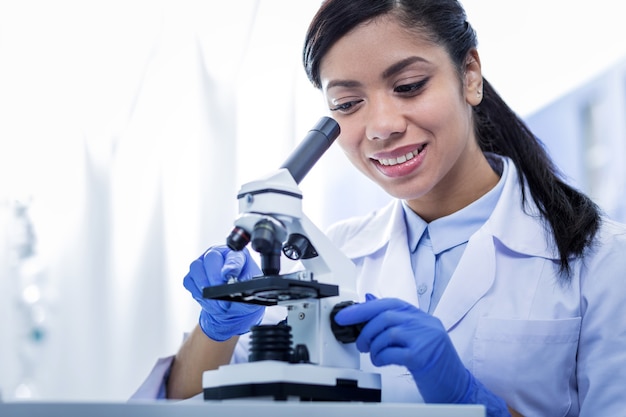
[309, 357]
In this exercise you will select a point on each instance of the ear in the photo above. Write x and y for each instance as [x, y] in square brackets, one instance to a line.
[473, 78]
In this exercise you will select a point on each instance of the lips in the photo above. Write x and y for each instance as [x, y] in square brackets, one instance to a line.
[409, 160]
[402, 158]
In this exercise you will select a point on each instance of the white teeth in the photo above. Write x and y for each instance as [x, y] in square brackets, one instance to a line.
[399, 160]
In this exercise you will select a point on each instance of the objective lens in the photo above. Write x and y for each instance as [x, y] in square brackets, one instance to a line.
[264, 237]
[238, 239]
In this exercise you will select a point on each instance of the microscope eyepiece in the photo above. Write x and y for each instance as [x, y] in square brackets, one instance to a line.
[311, 148]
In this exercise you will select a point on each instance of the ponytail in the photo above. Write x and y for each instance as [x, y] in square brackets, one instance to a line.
[573, 217]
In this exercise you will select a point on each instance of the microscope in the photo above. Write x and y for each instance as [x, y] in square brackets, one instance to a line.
[308, 357]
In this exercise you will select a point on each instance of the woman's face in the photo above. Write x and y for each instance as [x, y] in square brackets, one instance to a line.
[405, 114]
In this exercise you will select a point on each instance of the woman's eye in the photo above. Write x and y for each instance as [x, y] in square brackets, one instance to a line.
[346, 107]
[411, 88]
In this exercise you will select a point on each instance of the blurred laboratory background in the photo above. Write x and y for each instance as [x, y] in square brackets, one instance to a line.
[127, 127]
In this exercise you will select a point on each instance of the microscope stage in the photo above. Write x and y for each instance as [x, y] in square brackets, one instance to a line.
[270, 290]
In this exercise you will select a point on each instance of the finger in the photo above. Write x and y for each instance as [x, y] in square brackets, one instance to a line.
[375, 333]
[196, 279]
[393, 336]
[370, 297]
[212, 263]
[250, 268]
[233, 265]
[391, 355]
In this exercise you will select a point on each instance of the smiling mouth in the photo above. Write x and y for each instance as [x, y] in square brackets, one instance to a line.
[401, 159]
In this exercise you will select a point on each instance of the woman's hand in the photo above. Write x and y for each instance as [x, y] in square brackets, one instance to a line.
[220, 320]
[399, 333]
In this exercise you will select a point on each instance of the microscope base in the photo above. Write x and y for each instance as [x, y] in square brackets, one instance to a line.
[283, 381]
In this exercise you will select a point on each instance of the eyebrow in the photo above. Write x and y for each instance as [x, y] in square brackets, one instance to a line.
[342, 83]
[400, 65]
[389, 72]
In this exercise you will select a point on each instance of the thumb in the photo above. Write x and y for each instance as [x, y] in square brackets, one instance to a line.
[233, 264]
[370, 297]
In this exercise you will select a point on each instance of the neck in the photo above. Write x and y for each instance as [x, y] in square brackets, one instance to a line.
[461, 187]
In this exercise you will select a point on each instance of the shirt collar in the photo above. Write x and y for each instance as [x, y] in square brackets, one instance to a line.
[456, 228]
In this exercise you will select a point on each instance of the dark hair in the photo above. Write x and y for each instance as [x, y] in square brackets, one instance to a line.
[573, 217]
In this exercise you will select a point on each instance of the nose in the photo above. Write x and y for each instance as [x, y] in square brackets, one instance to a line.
[384, 118]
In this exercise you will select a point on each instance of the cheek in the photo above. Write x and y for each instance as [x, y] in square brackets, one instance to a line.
[351, 149]
[445, 119]
[434, 114]
[349, 143]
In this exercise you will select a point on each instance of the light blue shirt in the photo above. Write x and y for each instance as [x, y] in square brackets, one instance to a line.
[437, 247]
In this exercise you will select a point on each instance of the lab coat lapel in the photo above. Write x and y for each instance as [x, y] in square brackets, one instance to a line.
[519, 230]
[472, 278]
[396, 279]
[391, 276]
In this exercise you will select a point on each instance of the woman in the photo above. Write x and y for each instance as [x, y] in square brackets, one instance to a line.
[490, 279]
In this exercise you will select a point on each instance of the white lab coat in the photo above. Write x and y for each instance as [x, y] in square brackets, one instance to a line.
[547, 348]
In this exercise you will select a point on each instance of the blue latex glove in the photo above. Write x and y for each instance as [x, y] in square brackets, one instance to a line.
[221, 320]
[399, 333]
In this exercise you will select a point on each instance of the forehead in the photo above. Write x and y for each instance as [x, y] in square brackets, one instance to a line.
[374, 45]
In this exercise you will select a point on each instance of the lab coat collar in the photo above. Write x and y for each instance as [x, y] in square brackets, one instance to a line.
[521, 229]
[517, 225]
[369, 239]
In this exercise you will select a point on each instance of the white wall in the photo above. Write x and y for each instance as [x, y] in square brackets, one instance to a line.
[535, 51]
